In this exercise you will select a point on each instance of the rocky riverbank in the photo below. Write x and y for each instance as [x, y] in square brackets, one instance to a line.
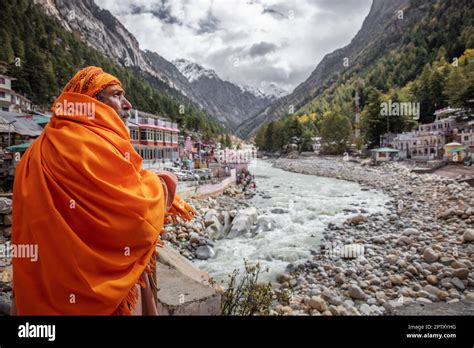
[421, 253]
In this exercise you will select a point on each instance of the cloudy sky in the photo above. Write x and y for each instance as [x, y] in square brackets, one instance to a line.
[250, 42]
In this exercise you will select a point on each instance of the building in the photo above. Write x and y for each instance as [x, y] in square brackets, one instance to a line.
[385, 154]
[11, 100]
[154, 138]
[426, 143]
[466, 138]
[17, 128]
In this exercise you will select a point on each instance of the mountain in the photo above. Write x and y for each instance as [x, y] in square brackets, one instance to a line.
[275, 91]
[101, 30]
[422, 53]
[45, 42]
[380, 32]
[229, 103]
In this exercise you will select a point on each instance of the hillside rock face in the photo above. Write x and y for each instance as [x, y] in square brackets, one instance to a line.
[380, 32]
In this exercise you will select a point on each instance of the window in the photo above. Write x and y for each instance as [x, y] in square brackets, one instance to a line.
[143, 134]
[149, 133]
[2, 80]
[2, 94]
[133, 133]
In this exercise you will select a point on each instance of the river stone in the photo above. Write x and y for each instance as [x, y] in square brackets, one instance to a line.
[226, 218]
[340, 278]
[365, 309]
[396, 279]
[264, 224]
[194, 238]
[210, 217]
[279, 211]
[283, 277]
[468, 235]
[461, 273]
[432, 279]
[458, 283]
[470, 297]
[429, 255]
[356, 292]
[331, 297]
[391, 259]
[356, 220]
[204, 252]
[215, 231]
[318, 303]
[411, 231]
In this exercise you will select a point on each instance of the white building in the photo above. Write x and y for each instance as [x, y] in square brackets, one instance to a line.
[426, 143]
[9, 99]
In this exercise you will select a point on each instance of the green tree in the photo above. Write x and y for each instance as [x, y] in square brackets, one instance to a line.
[455, 87]
[372, 124]
[336, 133]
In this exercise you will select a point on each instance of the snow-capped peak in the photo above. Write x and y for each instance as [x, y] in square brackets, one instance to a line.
[193, 71]
[275, 91]
[252, 90]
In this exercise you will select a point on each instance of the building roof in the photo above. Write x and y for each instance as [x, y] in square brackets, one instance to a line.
[22, 125]
[453, 144]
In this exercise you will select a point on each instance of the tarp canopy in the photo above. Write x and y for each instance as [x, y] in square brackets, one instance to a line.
[458, 149]
[19, 147]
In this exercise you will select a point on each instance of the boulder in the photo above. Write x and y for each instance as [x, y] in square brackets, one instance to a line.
[243, 222]
[264, 224]
[204, 252]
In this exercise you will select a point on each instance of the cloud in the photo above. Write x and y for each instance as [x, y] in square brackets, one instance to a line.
[273, 41]
[261, 49]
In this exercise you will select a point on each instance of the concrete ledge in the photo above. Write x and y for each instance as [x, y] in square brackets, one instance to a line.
[183, 288]
[181, 295]
[172, 258]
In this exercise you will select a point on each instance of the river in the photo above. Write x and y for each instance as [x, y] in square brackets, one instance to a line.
[301, 206]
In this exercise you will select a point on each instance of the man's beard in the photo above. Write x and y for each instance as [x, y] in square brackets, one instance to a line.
[124, 115]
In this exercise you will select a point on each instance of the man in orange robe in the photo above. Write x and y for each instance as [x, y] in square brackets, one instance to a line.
[81, 196]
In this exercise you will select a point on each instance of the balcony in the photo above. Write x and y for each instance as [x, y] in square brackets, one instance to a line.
[468, 143]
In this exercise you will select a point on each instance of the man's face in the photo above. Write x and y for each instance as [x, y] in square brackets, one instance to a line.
[114, 96]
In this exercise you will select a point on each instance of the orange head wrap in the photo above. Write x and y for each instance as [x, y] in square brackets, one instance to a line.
[90, 81]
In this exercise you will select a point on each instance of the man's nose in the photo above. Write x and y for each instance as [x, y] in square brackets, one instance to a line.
[126, 104]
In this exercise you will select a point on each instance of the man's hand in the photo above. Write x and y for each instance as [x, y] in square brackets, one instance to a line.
[169, 181]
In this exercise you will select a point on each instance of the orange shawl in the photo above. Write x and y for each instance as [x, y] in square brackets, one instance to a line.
[81, 196]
